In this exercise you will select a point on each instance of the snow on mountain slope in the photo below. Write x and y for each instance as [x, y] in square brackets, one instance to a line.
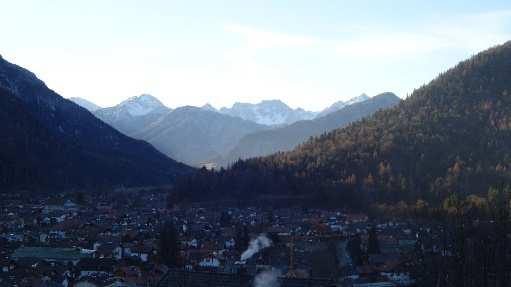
[132, 107]
[140, 105]
[269, 112]
[340, 104]
[133, 114]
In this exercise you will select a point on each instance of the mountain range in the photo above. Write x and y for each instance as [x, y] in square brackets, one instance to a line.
[189, 134]
[195, 135]
[51, 142]
[205, 135]
[285, 138]
[449, 140]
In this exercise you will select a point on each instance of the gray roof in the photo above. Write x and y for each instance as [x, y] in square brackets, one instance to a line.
[48, 253]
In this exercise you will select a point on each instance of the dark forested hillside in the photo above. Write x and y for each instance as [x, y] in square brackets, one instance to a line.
[50, 142]
[452, 136]
[285, 138]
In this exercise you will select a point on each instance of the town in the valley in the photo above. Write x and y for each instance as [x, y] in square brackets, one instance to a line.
[138, 238]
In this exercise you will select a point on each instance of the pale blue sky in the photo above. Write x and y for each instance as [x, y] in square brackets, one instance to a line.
[306, 53]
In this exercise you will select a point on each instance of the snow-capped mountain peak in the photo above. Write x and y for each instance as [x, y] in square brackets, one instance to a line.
[340, 104]
[209, 107]
[358, 99]
[267, 112]
[129, 115]
[141, 105]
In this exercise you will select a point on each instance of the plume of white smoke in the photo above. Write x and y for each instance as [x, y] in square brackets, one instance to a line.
[255, 246]
[268, 278]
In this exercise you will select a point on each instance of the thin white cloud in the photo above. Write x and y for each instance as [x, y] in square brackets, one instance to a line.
[473, 32]
[359, 57]
[392, 44]
[261, 39]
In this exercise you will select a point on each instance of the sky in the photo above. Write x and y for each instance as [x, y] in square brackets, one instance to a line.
[306, 53]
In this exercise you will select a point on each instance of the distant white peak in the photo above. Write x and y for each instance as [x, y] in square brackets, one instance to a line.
[209, 107]
[145, 99]
[351, 101]
[263, 103]
[340, 104]
[267, 112]
[358, 99]
[141, 105]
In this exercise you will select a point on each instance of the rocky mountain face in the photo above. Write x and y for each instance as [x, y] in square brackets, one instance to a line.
[51, 142]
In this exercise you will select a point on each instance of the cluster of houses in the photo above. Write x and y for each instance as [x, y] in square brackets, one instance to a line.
[61, 240]
[111, 239]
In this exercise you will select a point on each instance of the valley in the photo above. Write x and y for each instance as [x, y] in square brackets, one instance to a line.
[255, 144]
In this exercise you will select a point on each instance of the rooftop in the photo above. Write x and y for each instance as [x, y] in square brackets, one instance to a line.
[48, 253]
